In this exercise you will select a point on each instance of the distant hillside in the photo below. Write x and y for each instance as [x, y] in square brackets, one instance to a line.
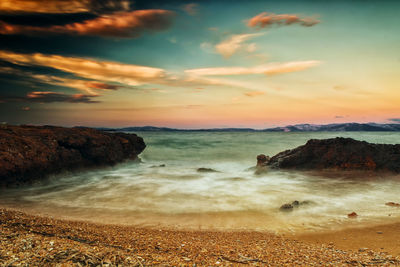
[335, 127]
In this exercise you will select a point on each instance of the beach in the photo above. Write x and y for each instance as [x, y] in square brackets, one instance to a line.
[27, 240]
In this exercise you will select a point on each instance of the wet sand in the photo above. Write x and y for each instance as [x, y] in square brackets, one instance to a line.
[43, 241]
[384, 238]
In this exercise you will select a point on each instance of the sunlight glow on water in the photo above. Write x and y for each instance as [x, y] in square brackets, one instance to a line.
[234, 197]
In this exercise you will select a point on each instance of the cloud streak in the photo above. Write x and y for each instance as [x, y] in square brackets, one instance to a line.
[267, 69]
[265, 19]
[89, 87]
[235, 43]
[121, 25]
[51, 97]
[254, 93]
[63, 6]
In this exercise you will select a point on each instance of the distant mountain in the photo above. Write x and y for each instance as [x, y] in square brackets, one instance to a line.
[338, 127]
[335, 127]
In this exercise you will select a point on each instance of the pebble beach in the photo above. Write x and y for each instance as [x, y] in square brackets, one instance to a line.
[27, 240]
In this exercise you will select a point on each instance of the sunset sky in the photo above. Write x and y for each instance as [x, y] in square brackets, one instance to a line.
[196, 64]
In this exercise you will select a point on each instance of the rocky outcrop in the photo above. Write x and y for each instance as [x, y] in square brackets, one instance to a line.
[32, 152]
[339, 154]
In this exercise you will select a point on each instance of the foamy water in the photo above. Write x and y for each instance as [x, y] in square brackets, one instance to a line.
[178, 196]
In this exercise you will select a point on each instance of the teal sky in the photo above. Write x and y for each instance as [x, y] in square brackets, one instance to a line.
[336, 61]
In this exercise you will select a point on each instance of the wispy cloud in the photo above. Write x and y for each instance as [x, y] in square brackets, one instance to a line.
[254, 93]
[63, 6]
[122, 24]
[236, 43]
[265, 19]
[51, 97]
[268, 69]
[89, 87]
[191, 8]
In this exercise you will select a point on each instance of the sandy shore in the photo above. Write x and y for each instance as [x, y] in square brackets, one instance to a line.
[27, 240]
[378, 238]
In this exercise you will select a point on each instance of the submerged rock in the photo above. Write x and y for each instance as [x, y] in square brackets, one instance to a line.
[392, 204]
[352, 215]
[286, 207]
[206, 170]
[33, 152]
[339, 154]
[158, 166]
[262, 162]
[294, 204]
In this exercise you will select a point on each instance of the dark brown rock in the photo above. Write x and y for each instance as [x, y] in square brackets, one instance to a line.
[352, 215]
[262, 160]
[339, 154]
[28, 153]
[286, 207]
[392, 204]
[206, 170]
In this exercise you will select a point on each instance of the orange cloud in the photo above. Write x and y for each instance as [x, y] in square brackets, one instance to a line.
[62, 6]
[268, 69]
[111, 72]
[88, 68]
[235, 43]
[48, 97]
[90, 87]
[102, 86]
[254, 93]
[265, 19]
[123, 24]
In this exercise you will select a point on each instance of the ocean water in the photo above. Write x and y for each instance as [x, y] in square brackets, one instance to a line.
[166, 190]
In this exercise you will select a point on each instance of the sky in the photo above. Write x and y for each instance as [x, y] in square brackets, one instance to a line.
[199, 64]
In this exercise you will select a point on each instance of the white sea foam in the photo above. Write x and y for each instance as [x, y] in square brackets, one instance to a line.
[177, 195]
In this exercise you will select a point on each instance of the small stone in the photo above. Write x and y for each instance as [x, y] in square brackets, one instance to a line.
[362, 249]
[379, 232]
[352, 215]
[295, 203]
[206, 170]
[392, 204]
[286, 207]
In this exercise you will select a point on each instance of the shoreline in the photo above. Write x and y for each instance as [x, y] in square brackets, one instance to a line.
[35, 240]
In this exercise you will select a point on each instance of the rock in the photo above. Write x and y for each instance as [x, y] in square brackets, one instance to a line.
[286, 207]
[392, 204]
[158, 166]
[352, 215]
[339, 154]
[28, 153]
[262, 160]
[307, 202]
[206, 170]
[294, 204]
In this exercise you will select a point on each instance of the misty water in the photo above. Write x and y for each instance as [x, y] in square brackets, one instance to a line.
[177, 195]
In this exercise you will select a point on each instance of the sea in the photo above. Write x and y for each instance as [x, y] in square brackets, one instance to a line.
[166, 190]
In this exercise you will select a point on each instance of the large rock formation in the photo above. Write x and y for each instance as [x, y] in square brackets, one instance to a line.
[339, 154]
[32, 152]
